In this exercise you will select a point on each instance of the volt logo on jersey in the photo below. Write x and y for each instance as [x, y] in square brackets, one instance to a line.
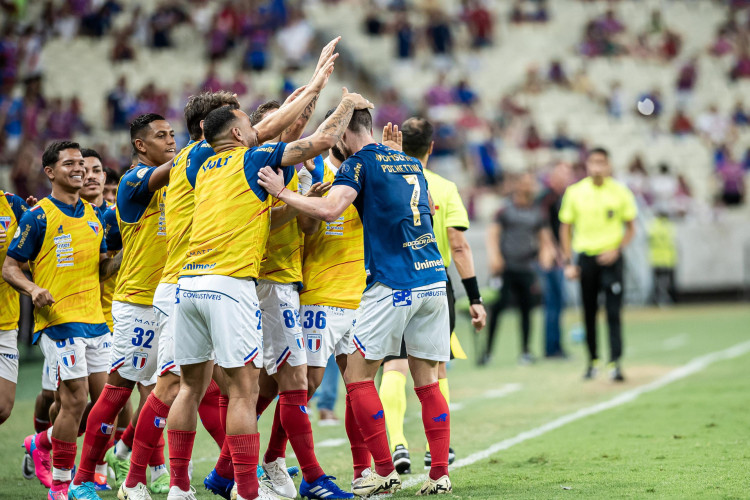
[5, 223]
[139, 360]
[68, 358]
[160, 422]
[401, 298]
[107, 429]
[314, 342]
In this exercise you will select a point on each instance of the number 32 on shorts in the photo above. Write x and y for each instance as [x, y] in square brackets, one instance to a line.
[140, 335]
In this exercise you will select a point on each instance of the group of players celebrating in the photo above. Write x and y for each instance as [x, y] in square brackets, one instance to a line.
[232, 278]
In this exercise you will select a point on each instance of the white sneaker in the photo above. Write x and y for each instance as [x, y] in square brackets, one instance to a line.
[140, 492]
[375, 484]
[440, 486]
[279, 479]
[176, 493]
[264, 493]
[359, 479]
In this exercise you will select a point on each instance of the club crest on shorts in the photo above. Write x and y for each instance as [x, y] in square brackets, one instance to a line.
[160, 422]
[68, 358]
[300, 342]
[139, 360]
[314, 341]
[5, 223]
[401, 298]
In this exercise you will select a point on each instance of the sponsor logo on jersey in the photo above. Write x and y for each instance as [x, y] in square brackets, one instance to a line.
[5, 223]
[160, 422]
[68, 358]
[427, 264]
[440, 418]
[141, 173]
[401, 298]
[107, 429]
[421, 242]
[12, 357]
[198, 267]
[139, 360]
[314, 342]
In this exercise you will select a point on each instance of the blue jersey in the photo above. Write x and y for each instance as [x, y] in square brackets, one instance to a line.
[392, 201]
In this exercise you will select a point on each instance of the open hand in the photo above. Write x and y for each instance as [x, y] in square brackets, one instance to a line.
[358, 101]
[318, 189]
[271, 180]
[393, 137]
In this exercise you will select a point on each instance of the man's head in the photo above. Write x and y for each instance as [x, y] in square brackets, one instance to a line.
[200, 105]
[359, 129]
[226, 126]
[417, 137]
[524, 186]
[597, 164]
[560, 177]
[93, 183]
[110, 185]
[152, 138]
[263, 110]
[63, 164]
[335, 151]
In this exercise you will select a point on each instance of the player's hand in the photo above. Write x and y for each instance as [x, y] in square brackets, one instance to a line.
[294, 95]
[320, 78]
[309, 164]
[478, 316]
[393, 137]
[271, 180]
[31, 201]
[41, 297]
[325, 54]
[572, 272]
[358, 101]
[319, 189]
[608, 258]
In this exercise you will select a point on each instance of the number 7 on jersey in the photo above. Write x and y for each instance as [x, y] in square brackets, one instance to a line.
[414, 180]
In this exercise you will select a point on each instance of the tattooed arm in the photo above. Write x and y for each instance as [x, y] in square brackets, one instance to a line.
[329, 132]
[109, 265]
[295, 130]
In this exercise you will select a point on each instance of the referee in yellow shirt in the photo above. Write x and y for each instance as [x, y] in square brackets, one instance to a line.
[597, 216]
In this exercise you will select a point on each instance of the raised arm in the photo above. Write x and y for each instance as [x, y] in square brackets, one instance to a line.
[329, 132]
[160, 177]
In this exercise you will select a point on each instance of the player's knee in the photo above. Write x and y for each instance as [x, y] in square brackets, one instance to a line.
[5, 408]
[168, 388]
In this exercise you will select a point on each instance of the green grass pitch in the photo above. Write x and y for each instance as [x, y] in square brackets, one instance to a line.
[689, 439]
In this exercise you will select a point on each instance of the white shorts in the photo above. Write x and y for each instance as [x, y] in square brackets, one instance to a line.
[9, 355]
[419, 315]
[282, 331]
[327, 330]
[218, 317]
[75, 357]
[49, 378]
[165, 298]
[136, 341]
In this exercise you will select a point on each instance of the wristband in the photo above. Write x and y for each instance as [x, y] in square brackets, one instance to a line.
[279, 193]
[472, 290]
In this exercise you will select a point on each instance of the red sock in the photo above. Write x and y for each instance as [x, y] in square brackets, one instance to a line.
[128, 435]
[40, 425]
[119, 432]
[63, 457]
[277, 441]
[157, 457]
[361, 458]
[297, 426]
[368, 411]
[43, 442]
[224, 466]
[245, 449]
[180, 451]
[208, 410]
[150, 427]
[99, 429]
[437, 426]
[261, 405]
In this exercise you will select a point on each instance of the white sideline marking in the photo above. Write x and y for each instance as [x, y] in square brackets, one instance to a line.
[331, 443]
[696, 365]
[503, 391]
[675, 342]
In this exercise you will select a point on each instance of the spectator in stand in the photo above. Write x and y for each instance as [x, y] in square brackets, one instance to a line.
[122, 50]
[440, 39]
[463, 94]
[671, 45]
[406, 36]
[741, 67]
[532, 140]
[722, 45]
[732, 182]
[57, 126]
[740, 117]
[479, 21]
[556, 74]
[609, 23]
[637, 180]
[562, 139]
[681, 123]
[615, 101]
[373, 24]
[686, 79]
[392, 109]
[295, 39]
[119, 104]
[533, 83]
[664, 189]
[439, 94]
[212, 82]
[238, 86]
[714, 126]
[582, 83]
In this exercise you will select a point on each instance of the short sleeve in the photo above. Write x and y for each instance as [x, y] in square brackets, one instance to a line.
[112, 235]
[196, 159]
[351, 174]
[567, 214]
[319, 171]
[29, 236]
[456, 215]
[267, 155]
[133, 195]
[17, 204]
[629, 209]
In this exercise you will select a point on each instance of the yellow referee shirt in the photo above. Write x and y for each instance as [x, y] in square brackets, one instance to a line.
[449, 211]
[598, 214]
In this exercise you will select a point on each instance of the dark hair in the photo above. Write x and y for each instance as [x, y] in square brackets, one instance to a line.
[91, 153]
[52, 153]
[217, 122]
[200, 105]
[417, 136]
[257, 115]
[361, 121]
[112, 176]
[141, 123]
[329, 113]
[600, 151]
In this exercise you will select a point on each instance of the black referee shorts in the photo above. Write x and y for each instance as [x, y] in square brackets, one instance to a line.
[451, 316]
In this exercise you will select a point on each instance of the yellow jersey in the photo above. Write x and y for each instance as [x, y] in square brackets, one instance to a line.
[232, 214]
[108, 285]
[9, 215]
[333, 267]
[449, 211]
[282, 261]
[181, 203]
[140, 217]
[65, 261]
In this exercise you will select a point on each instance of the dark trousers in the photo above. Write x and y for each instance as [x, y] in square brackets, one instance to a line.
[594, 279]
[663, 286]
[517, 283]
[554, 302]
